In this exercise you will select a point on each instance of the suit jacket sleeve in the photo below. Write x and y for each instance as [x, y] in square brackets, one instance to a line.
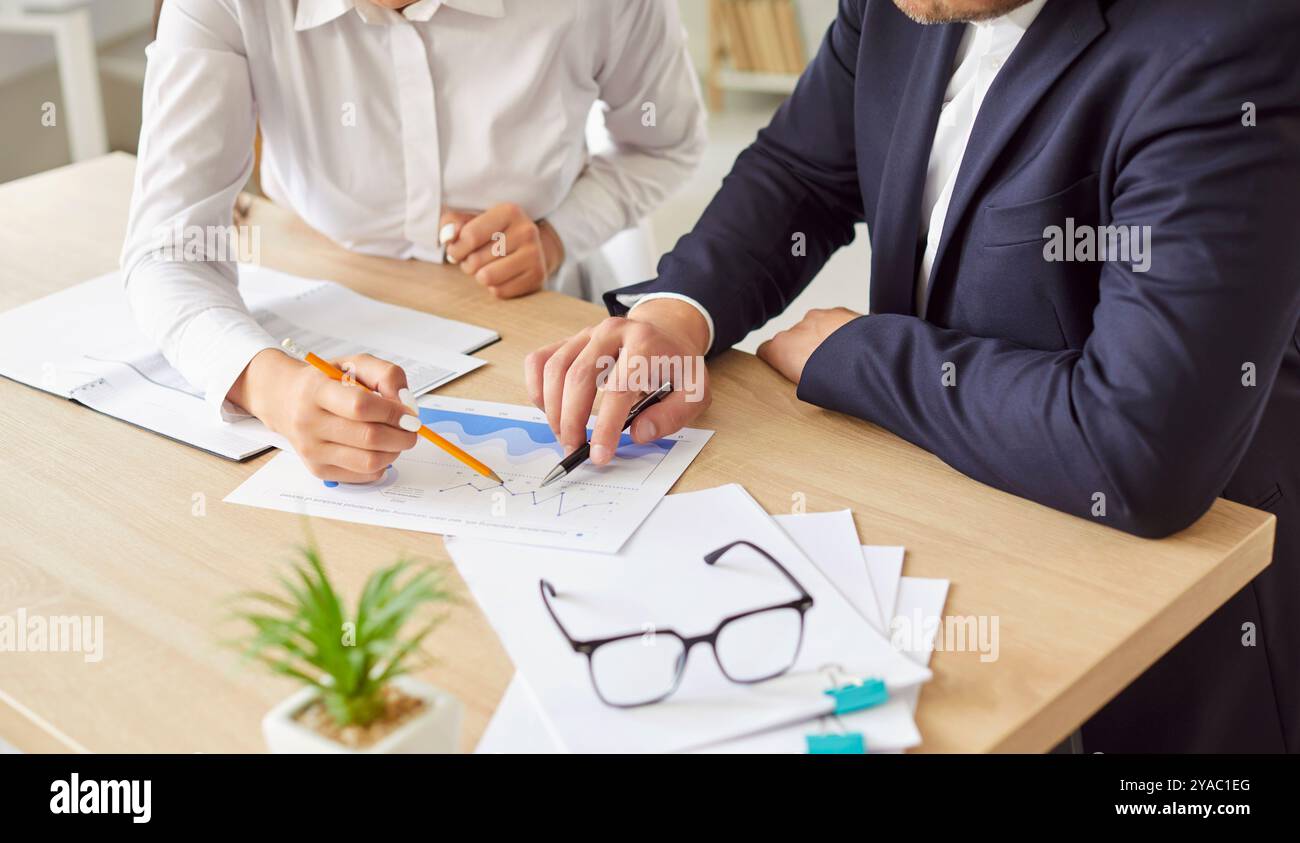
[784, 209]
[1156, 410]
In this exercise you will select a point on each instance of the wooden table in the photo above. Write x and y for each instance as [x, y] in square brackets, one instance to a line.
[96, 518]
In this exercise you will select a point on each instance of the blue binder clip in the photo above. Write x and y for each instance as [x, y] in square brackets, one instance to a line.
[858, 695]
[842, 742]
[854, 695]
[845, 743]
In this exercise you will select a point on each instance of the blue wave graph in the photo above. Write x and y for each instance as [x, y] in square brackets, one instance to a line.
[521, 438]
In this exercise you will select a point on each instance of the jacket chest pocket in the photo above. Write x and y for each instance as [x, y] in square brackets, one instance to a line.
[1041, 301]
[1027, 223]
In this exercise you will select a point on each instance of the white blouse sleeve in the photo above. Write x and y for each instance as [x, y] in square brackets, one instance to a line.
[196, 153]
[656, 120]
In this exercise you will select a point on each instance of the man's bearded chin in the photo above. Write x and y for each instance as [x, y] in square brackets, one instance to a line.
[956, 11]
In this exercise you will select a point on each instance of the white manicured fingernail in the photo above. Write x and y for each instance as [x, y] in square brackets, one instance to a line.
[599, 454]
[409, 423]
[404, 395]
[447, 233]
[648, 430]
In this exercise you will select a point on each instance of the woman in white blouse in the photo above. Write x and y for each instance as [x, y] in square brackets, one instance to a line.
[405, 129]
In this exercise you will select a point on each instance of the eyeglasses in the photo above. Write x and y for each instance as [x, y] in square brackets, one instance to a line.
[640, 668]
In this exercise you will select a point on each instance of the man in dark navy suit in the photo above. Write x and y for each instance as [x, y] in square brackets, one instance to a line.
[1085, 289]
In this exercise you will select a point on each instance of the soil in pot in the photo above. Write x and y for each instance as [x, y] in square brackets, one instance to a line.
[399, 707]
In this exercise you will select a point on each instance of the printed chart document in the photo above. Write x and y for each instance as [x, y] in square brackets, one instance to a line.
[660, 581]
[593, 508]
[82, 343]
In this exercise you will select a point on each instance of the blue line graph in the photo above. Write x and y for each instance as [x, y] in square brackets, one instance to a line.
[522, 439]
[536, 501]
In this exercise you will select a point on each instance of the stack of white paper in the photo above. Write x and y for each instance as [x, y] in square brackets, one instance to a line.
[659, 578]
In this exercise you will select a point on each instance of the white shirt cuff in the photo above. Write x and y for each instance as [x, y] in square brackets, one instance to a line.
[214, 351]
[632, 302]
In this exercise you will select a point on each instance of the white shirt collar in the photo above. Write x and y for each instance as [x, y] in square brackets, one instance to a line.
[313, 13]
[1018, 19]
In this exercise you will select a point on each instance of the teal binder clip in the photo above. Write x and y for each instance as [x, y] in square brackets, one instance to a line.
[842, 742]
[848, 743]
[856, 696]
[848, 696]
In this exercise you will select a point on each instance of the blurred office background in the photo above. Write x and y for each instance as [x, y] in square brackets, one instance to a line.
[87, 58]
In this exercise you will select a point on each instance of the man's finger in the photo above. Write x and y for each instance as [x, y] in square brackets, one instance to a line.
[579, 398]
[667, 417]
[614, 407]
[533, 365]
[553, 375]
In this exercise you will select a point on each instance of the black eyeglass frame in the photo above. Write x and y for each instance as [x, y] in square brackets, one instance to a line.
[589, 646]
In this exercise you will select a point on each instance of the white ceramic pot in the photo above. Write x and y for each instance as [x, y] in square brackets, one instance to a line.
[435, 731]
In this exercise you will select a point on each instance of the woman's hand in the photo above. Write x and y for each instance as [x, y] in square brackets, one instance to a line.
[341, 431]
[502, 248]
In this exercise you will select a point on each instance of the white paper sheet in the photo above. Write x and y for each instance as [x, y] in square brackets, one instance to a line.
[885, 568]
[919, 599]
[831, 541]
[82, 343]
[660, 582]
[593, 508]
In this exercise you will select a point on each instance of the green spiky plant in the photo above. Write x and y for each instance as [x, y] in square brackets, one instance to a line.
[307, 635]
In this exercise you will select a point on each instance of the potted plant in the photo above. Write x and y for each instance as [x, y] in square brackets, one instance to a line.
[357, 695]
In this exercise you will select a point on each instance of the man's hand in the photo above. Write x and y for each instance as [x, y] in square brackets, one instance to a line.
[342, 432]
[564, 378]
[788, 351]
[502, 248]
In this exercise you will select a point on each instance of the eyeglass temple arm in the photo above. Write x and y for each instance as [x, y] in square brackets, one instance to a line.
[714, 556]
[548, 591]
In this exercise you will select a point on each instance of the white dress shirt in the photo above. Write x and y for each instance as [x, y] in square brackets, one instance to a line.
[375, 121]
[984, 48]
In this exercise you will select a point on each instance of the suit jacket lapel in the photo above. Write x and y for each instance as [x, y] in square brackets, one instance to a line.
[898, 215]
[1061, 32]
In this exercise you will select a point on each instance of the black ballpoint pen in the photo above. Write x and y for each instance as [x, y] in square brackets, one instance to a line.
[579, 456]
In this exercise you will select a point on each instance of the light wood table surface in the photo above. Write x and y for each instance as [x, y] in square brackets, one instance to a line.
[96, 519]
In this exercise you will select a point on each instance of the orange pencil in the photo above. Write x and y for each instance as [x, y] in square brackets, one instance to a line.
[335, 373]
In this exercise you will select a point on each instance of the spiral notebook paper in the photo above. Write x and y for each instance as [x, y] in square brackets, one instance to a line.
[82, 343]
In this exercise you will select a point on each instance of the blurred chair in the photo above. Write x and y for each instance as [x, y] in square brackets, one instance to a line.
[68, 23]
